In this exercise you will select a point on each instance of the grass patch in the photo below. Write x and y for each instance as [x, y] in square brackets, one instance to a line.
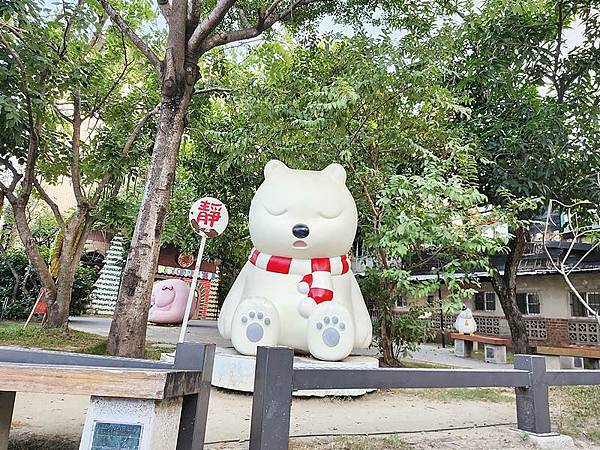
[351, 443]
[491, 395]
[36, 336]
[575, 411]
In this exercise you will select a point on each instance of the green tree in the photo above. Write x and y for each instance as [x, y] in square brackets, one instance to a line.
[371, 105]
[74, 107]
[534, 103]
[195, 29]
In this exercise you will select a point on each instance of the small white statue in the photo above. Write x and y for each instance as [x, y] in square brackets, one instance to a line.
[465, 323]
[297, 288]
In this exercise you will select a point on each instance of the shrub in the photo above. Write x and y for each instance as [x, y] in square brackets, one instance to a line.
[17, 305]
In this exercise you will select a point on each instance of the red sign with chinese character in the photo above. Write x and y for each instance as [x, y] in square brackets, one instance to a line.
[208, 216]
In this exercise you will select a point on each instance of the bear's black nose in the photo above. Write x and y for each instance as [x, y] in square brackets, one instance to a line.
[300, 230]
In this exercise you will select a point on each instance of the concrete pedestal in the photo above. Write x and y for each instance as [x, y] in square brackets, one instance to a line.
[553, 362]
[571, 362]
[235, 372]
[495, 354]
[463, 349]
[550, 440]
[7, 403]
[131, 423]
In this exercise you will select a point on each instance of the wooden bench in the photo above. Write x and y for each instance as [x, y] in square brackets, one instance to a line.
[570, 356]
[151, 404]
[494, 347]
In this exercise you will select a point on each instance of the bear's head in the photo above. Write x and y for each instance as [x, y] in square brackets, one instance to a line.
[303, 213]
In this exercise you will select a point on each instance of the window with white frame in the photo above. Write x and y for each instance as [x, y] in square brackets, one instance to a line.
[401, 302]
[529, 303]
[591, 298]
[485, 301]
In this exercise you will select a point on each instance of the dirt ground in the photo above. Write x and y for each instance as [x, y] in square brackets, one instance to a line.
[419, 422]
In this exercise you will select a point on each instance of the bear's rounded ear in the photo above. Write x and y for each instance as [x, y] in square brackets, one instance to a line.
[335, 171]
[274, 166]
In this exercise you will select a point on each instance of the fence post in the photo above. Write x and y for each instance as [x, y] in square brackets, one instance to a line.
[533, 410]
[194, 410]
[272, 401]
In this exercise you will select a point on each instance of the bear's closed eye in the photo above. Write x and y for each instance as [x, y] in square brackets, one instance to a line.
[275, 210]
[330, 214]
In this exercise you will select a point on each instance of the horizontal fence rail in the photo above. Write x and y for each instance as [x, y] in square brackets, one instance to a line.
[406, 378]
[25, 356]
[276, 379]
[572, 377]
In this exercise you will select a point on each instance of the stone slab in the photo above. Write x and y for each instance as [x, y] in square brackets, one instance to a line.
[550, 440]
[235, 372]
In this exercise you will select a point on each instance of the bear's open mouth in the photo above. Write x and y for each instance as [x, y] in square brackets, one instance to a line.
[300, 244]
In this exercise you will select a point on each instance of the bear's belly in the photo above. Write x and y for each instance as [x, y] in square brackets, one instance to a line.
[280, 289]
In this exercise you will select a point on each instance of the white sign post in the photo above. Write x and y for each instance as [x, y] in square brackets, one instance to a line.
[208, 217]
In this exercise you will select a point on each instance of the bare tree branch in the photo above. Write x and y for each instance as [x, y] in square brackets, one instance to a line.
[63, 46]
[16, 175]
[165, 9]
[210, 89]
[51, 203]
[207, 26]
[75, 149]
[194, 9]
[133, 37]
[243, 18]
[263, 23]
[560, 267]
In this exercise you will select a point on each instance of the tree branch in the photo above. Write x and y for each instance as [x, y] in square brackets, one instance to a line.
[194, 9]
[16, 175]
[63, 46]
[133, 37]
[263, 23]
[51, 203]
[210, 89]
[75, 149]
[165, 9]
[214, 18]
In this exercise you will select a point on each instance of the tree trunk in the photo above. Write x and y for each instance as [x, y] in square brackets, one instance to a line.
[33, 253]
[127, 335]
[505, 286]
[73, 245]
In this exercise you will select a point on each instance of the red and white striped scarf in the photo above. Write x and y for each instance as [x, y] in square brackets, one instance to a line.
[316, 273]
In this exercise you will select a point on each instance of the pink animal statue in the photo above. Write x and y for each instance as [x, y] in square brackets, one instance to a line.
[169, 298]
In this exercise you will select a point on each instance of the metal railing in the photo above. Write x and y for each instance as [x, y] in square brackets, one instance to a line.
[198, 357]
[276, 379]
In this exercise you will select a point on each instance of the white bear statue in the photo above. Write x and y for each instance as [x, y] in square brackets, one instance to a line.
[465, 323]
[297, 289]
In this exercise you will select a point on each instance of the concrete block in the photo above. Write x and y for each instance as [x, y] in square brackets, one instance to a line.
[551, 440]
[236, 372]
[570, 362]
[553, 362]
[495, 354]
[131, 424]
[463, 349]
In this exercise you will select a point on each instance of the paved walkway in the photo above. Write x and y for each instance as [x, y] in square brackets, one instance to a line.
[206, 331]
